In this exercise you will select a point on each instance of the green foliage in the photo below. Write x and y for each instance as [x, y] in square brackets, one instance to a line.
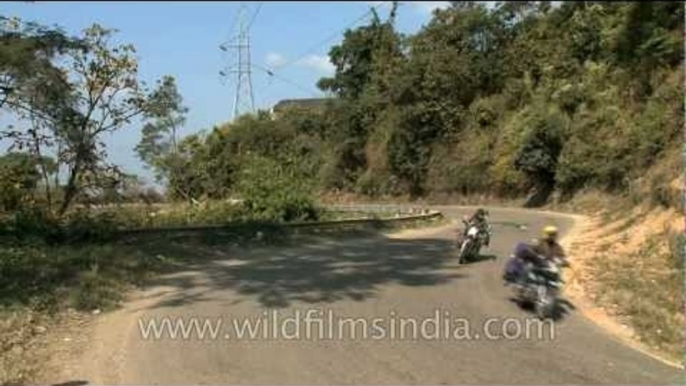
[363, 59]
[31, 80]
[347, 135]
[79, 90]
[660, 122]
[541, 148]
[275, 192]
[19, 177]
[82, 225]
[30, 223]
[191, 178]
[95, 291]
[158, 147]
[49, 277]
[208, 166]
[181, 214]
[677, 251]
[481, 101]
[33, 223]
[408, 155]
[378, 179]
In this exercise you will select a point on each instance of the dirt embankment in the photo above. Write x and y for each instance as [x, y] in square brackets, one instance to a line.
[628, 277]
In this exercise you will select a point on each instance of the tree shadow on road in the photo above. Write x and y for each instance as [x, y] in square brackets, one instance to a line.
[314, 269]
[480, 258]
[72, 383]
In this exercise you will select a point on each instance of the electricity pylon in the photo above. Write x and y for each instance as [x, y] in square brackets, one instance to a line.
[244, 100]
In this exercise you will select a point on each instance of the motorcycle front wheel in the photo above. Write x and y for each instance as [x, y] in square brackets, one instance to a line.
[464, 251]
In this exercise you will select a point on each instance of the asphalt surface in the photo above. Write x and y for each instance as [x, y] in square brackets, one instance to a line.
[360, 277]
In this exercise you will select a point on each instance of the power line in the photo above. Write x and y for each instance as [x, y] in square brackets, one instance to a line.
[259, 6]
[234, 22]
[272, 74]
[329, 38]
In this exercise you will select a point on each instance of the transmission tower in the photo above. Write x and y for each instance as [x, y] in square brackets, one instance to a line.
[239, 43]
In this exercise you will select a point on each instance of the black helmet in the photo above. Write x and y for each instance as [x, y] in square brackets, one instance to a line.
[480, 212]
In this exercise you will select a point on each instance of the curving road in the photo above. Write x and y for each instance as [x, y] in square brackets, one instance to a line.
[358, 277]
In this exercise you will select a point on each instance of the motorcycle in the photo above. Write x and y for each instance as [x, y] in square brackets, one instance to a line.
[470, 246]
[541, 286]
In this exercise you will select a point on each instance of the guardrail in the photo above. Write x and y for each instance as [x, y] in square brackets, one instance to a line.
[378, 222]
[405, 208]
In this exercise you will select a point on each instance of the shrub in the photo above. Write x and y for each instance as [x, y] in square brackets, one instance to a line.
[273, 192]
[84, 225]
[35, 223]
[661, 121]
[96, 291]
[538, 155]
[18, 178]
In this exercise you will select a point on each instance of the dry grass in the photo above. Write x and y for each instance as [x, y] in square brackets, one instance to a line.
[644, 289]
[633, 268]
[28, 339]
[18, 336]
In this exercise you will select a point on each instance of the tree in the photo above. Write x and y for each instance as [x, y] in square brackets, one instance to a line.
[367, 63]
[158, 147]
[542, 146]
[28, 75]
[100, 94]
[361, 54]
[191, 178]
[108, 98]
[33, 87]
[19, 178]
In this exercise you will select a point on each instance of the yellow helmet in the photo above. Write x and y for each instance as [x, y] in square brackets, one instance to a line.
[550, 231]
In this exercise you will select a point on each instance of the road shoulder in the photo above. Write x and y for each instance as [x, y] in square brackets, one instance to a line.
[576, 292]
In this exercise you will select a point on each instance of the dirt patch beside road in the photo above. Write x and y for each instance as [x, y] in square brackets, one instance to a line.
[600, 250]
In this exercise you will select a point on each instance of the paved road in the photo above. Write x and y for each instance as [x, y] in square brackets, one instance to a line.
[362, 277]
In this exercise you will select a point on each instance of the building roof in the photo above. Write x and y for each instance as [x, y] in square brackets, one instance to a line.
[305, 102]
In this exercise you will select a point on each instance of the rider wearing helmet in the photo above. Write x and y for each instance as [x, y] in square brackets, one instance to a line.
[549, 248]
[478, 219]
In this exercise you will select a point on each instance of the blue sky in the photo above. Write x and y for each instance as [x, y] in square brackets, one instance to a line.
[183, 38]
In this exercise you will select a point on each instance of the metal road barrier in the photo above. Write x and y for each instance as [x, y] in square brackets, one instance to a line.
[238, 227]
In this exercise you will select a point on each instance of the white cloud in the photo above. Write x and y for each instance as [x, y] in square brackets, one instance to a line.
[319, 63]
[274, 59]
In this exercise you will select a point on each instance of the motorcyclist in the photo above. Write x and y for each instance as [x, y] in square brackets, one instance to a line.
[549, 248]
[479, 219]
[524, 253]
[536, 253]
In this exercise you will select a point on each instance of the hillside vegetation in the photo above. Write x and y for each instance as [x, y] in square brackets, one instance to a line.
[522, 100]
